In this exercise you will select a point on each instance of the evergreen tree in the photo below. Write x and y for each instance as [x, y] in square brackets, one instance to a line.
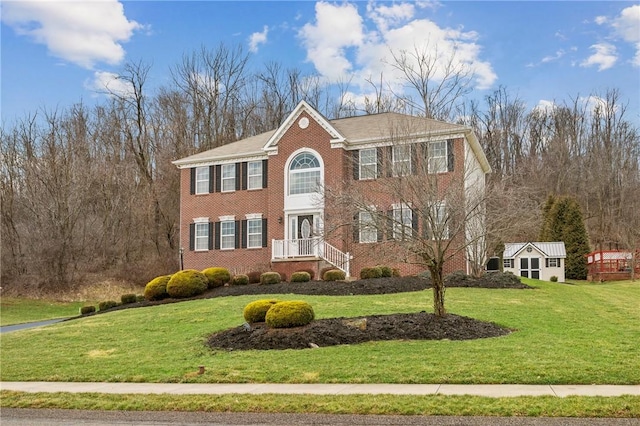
[563, 221]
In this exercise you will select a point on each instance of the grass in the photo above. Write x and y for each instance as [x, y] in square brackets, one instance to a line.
[433, 405]
[564, 334]
[15, 310]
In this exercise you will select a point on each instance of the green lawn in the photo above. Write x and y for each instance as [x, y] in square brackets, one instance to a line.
[17, 311]
[564, 334]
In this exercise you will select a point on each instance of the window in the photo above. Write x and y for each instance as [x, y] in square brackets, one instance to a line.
[401, 160]
[201, 236]
[202, 180]
[367, 229]
[368, 163]
[553, 262]
[228, 177]
[402, 222]
[254, 233]
[438, 157]
[507, 263]
[254, 175]
[304, 174]
[227, 235]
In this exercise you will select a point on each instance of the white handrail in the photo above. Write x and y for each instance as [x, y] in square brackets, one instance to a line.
[311, 247]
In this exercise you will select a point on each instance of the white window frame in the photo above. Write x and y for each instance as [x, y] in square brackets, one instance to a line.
[304, 180]
[202, 180]
[228, 183]
[507, 263]
[254, 180]
[227, 239]
[368, 231]
[401, 160]
[438, 218]
[368, 169]
[402, 222]
[256, 234]
[554, 262]
[438, 156]
[201, 236]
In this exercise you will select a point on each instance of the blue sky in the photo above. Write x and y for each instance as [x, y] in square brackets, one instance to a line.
[57, 53]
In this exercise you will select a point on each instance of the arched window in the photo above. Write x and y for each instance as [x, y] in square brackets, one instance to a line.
[304, 174]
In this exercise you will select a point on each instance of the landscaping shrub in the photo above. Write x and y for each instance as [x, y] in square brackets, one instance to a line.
[256, 311]
[216, 276]
[87, 310]
[270, 278]
[254, 277]
[324, 270]
[395, 272]
[187, 283]
[240, 279]
[386, 271]
[107, 304]
[426, 274]
[554, 279]
[456, 277]
[367, 273]
[334, 275]
[300, 277]
[287, 314]
[156, 289]
[139, 298]
[128, 298]
[503, 278]
[310, 271]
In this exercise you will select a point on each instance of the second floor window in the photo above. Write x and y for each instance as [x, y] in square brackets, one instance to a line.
[304, 174]
[438, 157]
[401, 157]
[228, 177]
[368, 163]
[202, 180]
[254, 175]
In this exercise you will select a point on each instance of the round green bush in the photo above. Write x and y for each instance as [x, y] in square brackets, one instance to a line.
[187, 283]
[87, 310]
[240, 279]
[395, 272]
[300, 277]
[367, 273]
[217, 277]
[107, 304]
[256, 311]
[128, 298]
[386, 271]
[287, 314]
[553, 279]
[270, 278]
[156, 289]
[334, 275]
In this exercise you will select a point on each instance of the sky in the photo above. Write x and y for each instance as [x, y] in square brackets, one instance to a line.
[57, 53]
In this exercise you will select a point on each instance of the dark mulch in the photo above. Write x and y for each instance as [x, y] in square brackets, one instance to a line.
[342, 331]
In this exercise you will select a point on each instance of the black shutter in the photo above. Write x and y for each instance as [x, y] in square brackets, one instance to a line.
[218, 178]
[238, 177]
[450, 155]
[264, 232]
[414, 159]
[192, 236]
[192, 181]
[356, 228]
[356, 165]
[426, 229]
[244, 172]
[210, 235]
[414, 222]
[237, 234]
[546, 262]
[390, 224]
[380, 162]
[389, 161]
[245, 230]
[380, 226]
[211, 178]
[264, 174]
[216, 237]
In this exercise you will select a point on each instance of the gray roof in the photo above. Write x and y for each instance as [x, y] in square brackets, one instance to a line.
[549, 249]
[355, 130]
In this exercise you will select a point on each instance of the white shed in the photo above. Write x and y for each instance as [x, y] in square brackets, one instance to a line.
[538, 260]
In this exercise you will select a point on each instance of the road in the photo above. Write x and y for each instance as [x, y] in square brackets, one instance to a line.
[43, 417]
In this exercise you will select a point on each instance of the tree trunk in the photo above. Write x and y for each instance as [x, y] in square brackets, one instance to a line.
[437, 281]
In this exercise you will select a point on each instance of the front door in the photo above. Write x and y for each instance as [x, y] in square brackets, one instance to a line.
[300, 234]
[305, 226]
[530, 267]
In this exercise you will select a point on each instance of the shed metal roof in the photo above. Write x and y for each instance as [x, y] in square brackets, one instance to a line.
[549, 249]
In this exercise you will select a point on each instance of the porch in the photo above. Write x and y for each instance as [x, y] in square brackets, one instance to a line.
[310, 249]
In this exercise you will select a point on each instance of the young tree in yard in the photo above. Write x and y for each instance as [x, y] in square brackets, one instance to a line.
[564, 222]
[425, 217]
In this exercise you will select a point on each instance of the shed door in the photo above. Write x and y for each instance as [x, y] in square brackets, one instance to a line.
[530, 267]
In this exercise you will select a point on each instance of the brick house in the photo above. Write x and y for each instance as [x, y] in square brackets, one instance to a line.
[257, 204]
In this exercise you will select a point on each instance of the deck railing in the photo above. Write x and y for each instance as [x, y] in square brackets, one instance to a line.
[311, 247]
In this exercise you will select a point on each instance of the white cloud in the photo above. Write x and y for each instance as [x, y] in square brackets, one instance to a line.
[108, 83]
[605, 56]
[340, 27]
[257, 39]
[627, 26]
[81, 32]
[559, 54]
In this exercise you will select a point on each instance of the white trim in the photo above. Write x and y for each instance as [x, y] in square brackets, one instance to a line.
[249, 216]
[227, 218]
[226, 159]
[200, 220]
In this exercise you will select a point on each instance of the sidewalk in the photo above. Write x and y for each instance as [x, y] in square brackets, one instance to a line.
[324, 389]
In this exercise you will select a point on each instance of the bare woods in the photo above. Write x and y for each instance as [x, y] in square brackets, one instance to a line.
[90, 192]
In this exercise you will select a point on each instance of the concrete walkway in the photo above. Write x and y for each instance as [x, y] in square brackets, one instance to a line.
[324, 389]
